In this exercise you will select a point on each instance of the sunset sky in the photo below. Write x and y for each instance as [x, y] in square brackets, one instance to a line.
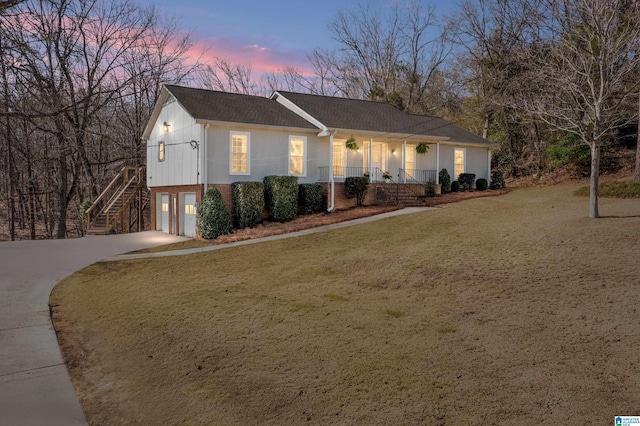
[269, 34]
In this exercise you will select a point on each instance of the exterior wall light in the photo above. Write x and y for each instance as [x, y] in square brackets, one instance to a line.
[165, 127]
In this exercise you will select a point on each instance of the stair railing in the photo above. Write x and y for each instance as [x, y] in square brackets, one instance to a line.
[116, 190]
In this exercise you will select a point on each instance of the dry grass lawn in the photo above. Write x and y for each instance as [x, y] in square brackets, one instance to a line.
[504, 310]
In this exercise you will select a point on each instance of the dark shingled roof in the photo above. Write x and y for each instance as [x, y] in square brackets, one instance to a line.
[235, 108]
[353, 114]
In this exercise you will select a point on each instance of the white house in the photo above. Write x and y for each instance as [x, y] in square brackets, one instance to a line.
[200, 138]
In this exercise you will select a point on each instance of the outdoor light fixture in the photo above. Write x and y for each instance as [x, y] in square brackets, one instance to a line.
[165, 127]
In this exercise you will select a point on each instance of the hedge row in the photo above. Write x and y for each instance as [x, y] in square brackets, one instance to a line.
[248, 203]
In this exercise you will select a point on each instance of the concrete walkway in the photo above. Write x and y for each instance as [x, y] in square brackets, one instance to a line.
[35, 388]
[408, 210]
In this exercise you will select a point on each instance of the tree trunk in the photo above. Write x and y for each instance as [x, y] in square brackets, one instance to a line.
[636, 175]
[595, 174]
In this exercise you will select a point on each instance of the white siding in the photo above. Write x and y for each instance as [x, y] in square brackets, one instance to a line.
[269, 153]
[475, 160]
[179, 166]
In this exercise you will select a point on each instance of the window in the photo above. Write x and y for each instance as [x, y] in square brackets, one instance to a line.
[339, 150]
[239, 161]
[161, 151]
[297, 154]
[459, 157]
[410, 160]
[189, 209]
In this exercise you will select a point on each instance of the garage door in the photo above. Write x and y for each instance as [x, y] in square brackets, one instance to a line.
[164, 213]
[190, 215]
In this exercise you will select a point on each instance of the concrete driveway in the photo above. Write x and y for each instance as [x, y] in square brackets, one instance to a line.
[35, 388]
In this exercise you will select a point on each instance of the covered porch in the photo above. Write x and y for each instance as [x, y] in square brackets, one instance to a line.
[376, 174]
[385, 158]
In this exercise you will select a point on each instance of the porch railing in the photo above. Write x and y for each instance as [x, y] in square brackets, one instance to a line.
[417, 176]
[340, 173]
[404, 176]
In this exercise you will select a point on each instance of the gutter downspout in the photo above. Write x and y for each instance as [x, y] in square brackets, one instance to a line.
[205, 179]
[437, 163]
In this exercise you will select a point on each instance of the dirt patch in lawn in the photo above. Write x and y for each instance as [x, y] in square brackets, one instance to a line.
[268, 228]
[504, 310]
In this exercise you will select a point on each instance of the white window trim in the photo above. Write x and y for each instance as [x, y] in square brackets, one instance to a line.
[304, 155]
[162, 151]
[464, 164]
[231, 135]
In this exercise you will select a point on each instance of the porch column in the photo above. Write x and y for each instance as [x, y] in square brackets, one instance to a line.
[370, 155]
[438, 163]
[404, 160]
[331, 183]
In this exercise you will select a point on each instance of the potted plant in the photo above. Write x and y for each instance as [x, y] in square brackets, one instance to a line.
[351, 144]
[422, 148]
[386, 176]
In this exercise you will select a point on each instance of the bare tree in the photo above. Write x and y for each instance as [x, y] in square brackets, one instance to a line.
[586, 73]
[228, 76]
[385, 57]
[84, 75]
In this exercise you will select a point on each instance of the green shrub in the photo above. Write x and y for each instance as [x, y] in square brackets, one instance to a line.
[497, 180]
[466, 181]
[430, 189]
[213, 217]
[248, 203]
[455, 186]
[445, 181]
[356, 187]
[310, 198]
[482, 184]
[281, 196]
[568, 149]
[614, 189]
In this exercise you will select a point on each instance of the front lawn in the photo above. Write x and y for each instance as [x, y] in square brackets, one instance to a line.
[503, 310]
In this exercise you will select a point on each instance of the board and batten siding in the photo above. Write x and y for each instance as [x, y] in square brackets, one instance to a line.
[180, 164]
[268, 153]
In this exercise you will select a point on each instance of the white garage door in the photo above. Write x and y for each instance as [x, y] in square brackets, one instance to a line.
[190, 215]
[164, 213]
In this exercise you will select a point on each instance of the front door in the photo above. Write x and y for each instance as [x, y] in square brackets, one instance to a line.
[378, 160]
[189, 215]
[164, 213]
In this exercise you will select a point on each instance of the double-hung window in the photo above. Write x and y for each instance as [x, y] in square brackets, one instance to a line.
[297, 155]
[459, 160]
[239, 153]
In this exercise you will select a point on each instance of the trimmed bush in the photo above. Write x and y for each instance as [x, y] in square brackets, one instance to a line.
[497, 180]
[430, 189]
[466, 181]
[356, 187]
[281, 197]
[445, 181]
[310, 198]
[482, 184]
[248, 203]
[213, 217]
[455, 186]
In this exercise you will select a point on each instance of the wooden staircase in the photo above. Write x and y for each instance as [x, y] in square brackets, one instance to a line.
[110, 213]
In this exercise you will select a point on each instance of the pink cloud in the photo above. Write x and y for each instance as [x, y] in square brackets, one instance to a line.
[262, 59]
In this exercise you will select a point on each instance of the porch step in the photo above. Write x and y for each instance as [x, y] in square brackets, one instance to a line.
[400, 193]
